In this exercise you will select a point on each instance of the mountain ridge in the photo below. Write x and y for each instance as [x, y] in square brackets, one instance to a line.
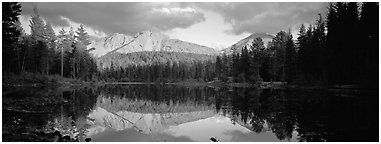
[148, 40]
[237, 47]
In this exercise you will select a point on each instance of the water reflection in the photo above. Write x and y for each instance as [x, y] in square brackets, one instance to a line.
[171, 113]
[47, 110]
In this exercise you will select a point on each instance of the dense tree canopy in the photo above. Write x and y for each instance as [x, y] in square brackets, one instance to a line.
[10, 36]
[341, 48]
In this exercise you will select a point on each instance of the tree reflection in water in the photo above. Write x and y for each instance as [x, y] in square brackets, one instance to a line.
[313, 115]
[304, 115]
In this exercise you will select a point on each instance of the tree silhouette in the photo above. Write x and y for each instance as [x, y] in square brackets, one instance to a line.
[369, 23]
[290, 60]
[10, 36]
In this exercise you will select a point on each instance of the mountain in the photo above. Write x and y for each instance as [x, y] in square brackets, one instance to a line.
[146, 123]
[175, 45]
[149, 40]
[237, 47]
[104, 45]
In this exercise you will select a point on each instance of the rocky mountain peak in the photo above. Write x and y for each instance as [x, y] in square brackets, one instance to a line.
[247, 42]
[149, 40]
[108, 43]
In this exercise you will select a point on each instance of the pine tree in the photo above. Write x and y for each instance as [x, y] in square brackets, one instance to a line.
[226, 67]
[369, 23]
[10, 35]
[278, 46]
[302, 43]
[244, 64]
[236, 65]
[318, 45]
[61, 41]
[37, 26]
[256, 58]
[82, 35]
[219, 67]
[352, 20]
[332, 35]
[51, 44]
[40, 54]
[50, 36]
[290, 59]
[72, 53]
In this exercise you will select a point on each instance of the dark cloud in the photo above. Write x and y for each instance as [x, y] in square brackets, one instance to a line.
[128, 17]
[265, 17]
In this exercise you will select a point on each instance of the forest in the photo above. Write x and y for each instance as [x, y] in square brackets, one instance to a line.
[341, 48]
[156, 67]
[43, 51]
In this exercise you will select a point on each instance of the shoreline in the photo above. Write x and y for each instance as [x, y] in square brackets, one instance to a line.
[33, 80]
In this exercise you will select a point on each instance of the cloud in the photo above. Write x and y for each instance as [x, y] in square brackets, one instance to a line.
[265, 17]
[24, 20]
[169, 18]
[127, 17]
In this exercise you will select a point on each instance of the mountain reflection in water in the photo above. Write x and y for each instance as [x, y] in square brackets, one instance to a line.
[172, 113]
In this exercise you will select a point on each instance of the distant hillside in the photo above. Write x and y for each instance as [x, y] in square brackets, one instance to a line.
[145, 41]
[237, 47]
[104, 45]
[149, 58]
[175, 45]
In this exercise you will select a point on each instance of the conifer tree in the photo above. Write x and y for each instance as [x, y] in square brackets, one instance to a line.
[244, 65]
[82, 35]
[290, 59]
[369, 24]
[10, 35]
[278, 46]
[256, 58]
[219, 67]
[51, 44]
[37, 26]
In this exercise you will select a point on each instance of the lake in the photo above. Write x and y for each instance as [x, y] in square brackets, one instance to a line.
[152, 113]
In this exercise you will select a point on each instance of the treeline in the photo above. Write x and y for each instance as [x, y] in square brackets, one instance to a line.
[156, 67]
[43, 51]
[312, 114]
[257, 63]
[339, 49]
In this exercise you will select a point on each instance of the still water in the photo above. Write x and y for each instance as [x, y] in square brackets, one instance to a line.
[172, 113]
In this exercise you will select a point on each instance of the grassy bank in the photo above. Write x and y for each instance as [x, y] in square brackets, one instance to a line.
[42, 80]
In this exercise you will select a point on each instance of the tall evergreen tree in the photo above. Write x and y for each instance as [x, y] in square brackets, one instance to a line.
[82, 35]
[290, 59]
[302, 44]
[219, 67]
[318, 45]
[244, 65]
[369, 24]
[226, 67]
[256, 59]
[51, 44]
[50, 36]
[40, 54]
[352, 23]
[37, 26]
[10, 34]
[332, 44]
[278, 45]
[235, 65]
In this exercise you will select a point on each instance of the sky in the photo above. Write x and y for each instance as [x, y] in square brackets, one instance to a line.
[213, 24]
